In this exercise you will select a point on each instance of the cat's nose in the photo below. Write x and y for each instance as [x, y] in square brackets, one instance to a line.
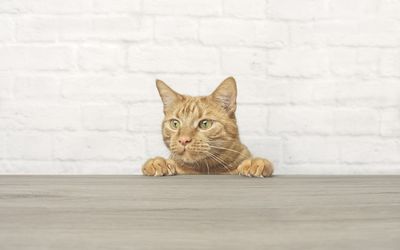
[184, 140]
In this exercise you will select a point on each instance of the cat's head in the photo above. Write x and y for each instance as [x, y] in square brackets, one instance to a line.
[196, 128]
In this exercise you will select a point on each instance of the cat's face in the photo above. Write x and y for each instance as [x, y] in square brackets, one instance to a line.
[195, 128]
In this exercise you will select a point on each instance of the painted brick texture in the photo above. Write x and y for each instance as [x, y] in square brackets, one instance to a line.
[318, 80]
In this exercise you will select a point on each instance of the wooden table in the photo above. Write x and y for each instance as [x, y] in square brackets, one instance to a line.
[199, 212]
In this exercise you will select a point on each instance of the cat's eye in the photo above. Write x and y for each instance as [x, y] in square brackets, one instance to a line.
[175, 124]
[205, 124]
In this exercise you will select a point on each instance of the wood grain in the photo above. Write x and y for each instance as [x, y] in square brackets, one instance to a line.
[199, 212]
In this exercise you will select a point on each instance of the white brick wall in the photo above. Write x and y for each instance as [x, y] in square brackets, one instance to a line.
[318, 80]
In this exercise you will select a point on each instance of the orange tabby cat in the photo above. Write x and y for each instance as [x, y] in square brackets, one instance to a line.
[202, 135]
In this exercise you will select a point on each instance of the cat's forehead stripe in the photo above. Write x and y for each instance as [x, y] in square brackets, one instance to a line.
[190, 108]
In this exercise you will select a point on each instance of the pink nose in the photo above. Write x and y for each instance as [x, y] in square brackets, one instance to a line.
[185, 140]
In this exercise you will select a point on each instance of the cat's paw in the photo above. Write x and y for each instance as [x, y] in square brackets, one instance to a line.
[256, 167]
[159, 167]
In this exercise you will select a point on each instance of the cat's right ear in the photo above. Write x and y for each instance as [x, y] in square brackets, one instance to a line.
[226, 94]
[168, 95]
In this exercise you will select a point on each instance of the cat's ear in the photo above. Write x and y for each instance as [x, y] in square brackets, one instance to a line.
[226, 94]
[168, 95]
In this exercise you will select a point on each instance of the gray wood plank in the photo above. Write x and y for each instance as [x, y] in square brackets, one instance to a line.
[199, 212]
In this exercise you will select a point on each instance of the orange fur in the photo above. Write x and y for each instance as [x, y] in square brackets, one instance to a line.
[213, 150]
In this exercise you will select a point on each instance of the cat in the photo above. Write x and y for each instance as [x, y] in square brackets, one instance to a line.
[202, 135]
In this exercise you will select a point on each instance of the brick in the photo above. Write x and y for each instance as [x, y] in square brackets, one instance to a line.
[285, 91]
[47, 117]
[37, 88]
[99, 167]
[313, 149]
[117, 6]
[368, 62]
[297, 63]
[324, 92]
[349, 62]
[295, 91]
[36, 58]
[243, 61]
[122, 88]
[7, 29]
[367, 33]
[247, 9]
[315, 120]
[29, 146]
[8, 114]
[122, 28]
[243, 32]
[101, 58]
[390, 63]
[189, 84]
[322, 32]
[104, 117]
[343, 62]
[33, 167]
[371, 32]
[53, 6]
[297, 10]
[181, 7]
[45, 6]
[353, 9]
[262, 91]
[179, 29]
[6, 87]
[265, 146]
[72, 28]
[155, 146]
[2, 147]
[370, 150]
[252, 119]
[368, 93]
[11, 6]
[356, 121]
[182, 59]
[154, 117]
[318, 81]
[60, 6]
[304, 91]
[83, 28]
[389, 8]
[36, 29]
[390, 122]
[254, 90]
[98, 146]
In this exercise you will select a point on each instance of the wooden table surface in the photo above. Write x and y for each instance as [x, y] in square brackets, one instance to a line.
[199, 212]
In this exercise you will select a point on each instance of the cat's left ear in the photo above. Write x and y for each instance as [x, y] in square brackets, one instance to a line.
[226, 94]
[168, 95]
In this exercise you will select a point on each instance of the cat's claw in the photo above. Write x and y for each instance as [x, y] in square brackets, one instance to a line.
[255, 167]
[159, 167]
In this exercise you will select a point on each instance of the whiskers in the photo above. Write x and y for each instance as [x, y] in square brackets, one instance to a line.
[216, 145]
[229, 149]
[208, 167]
[219, 160]
[173, 156]
[173, 148]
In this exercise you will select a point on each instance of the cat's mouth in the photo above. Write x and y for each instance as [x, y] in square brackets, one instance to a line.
[182, 150]
[185, 153]
[188, 156]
